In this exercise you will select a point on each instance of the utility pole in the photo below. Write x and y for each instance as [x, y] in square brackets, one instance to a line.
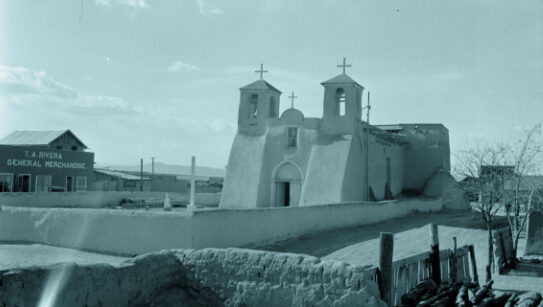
[153, 167]
[141, 175]
[367, 108]
[192, 183]
[152, 172]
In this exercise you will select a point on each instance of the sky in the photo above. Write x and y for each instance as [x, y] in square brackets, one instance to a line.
[160, 78]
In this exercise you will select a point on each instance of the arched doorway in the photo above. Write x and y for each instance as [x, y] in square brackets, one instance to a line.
[287, 185]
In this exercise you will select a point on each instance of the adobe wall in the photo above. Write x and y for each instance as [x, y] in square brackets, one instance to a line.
[428, 150]
[211, 277]
[534, 234]
[96, 199]
[128, 232]
[243, 172]
[379, 152]
[324, 180]
[442, 184]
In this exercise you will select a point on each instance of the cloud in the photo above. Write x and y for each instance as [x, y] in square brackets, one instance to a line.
[138, 4]
[179, 66]
[207, 8]
[36, 89]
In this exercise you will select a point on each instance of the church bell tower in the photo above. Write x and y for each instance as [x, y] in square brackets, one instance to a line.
[259, 102]
[342, 106]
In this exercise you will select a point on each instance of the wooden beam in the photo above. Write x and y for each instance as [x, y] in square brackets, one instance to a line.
[385, 266]
[473, 263]
[434, 254]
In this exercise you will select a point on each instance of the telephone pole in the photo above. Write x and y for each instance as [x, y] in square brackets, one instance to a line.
[153, 167]
[367, 108]
[152, 172]
[141, 175]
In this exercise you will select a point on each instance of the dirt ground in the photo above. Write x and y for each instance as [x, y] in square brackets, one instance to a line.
[360, 245]
[13, 256]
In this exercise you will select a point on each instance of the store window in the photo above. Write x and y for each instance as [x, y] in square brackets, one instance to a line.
[22, 183]
[43, 183]
[81, 184]
[6, 182]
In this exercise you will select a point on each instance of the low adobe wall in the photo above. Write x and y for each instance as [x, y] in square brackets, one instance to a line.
[210, 277]
[247, 227]
[129, 232]
[96, 199]
[534, 234]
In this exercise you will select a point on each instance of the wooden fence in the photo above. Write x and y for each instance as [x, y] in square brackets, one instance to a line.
[397, 278]
[408, 272]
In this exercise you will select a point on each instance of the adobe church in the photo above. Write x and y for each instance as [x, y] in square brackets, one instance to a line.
[293, 160]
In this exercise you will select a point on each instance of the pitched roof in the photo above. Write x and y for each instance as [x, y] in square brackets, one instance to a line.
[260, 85]
[341, 79]
[35, 138]
[119, 174]
[170, 169]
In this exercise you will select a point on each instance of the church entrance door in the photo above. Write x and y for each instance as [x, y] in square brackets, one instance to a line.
[282, 195]
[287, 185]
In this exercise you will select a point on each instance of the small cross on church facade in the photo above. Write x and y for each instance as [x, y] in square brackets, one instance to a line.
[261, 71]
[344, 65]
[292, 97]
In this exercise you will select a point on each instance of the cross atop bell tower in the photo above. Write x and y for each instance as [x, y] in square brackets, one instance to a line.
[344, 65]
[259, 103]
[261, 71]
[342, 107]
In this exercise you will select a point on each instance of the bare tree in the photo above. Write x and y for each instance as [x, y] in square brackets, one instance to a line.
[523, 193]
[484, 170]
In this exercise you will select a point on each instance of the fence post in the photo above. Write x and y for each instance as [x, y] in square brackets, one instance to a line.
[473, 263]
[385, 266]
[454, 268]
[434, 254]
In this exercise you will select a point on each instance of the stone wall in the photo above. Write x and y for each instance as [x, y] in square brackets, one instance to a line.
[131, 232]
[212, 277]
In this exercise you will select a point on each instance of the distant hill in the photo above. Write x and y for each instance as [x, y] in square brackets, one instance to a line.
[162, 168]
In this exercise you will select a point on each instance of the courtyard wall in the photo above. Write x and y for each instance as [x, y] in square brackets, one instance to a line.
[130, 232]
[96, 199]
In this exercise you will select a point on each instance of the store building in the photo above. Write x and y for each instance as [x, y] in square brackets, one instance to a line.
[108, 180]
[45, 161]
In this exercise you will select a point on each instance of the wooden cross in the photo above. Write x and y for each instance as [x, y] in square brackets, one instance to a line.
[261, 71]
[344, 65]
[292, 97]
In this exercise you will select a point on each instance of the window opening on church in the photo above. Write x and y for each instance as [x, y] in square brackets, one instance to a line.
[253, 106]
[339, 108]
[273, 107]
[292, 136]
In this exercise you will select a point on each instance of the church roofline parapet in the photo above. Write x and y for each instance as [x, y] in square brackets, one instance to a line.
[341, 79]
[384, 135]
[260, 85]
